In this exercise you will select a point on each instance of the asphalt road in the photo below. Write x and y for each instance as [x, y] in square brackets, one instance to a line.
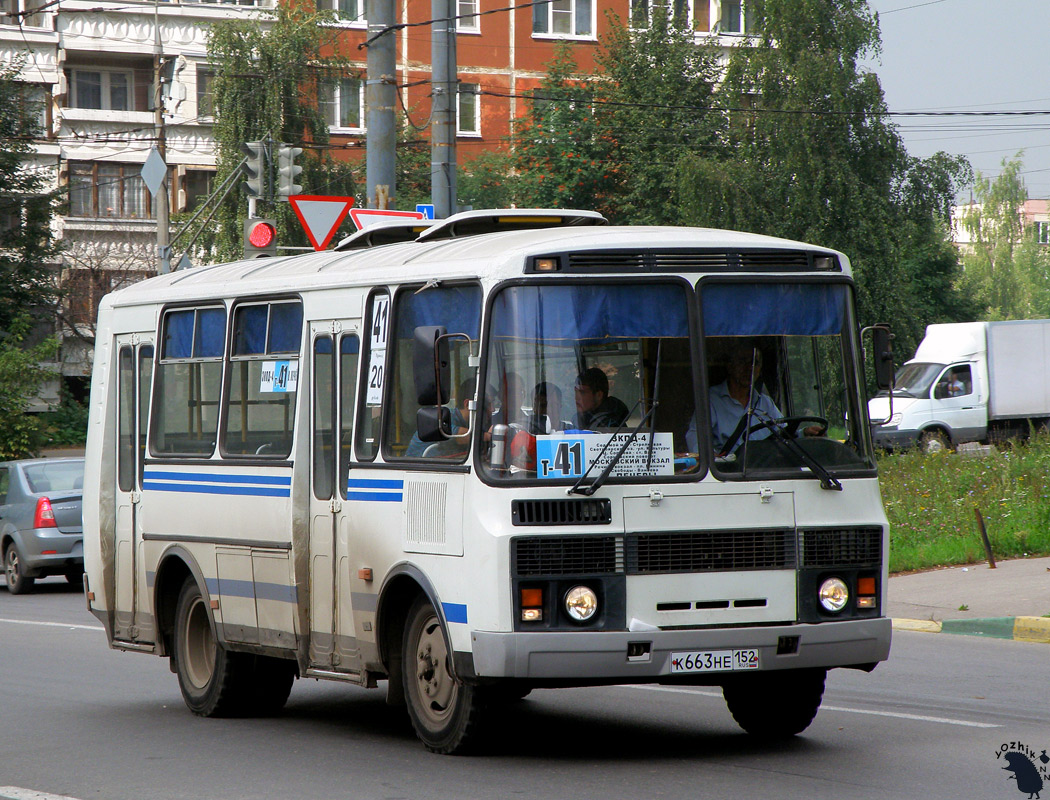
[82, 721]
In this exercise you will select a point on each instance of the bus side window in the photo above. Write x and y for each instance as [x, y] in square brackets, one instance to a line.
[373, 377]
[349, 355]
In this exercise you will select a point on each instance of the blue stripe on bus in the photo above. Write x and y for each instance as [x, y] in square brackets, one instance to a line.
[208, 477]
[258, 491]
[374, 483]
[224, 587]
[378, 497]
[455, 612]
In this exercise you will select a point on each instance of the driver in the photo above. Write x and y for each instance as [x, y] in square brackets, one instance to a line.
[729, 400]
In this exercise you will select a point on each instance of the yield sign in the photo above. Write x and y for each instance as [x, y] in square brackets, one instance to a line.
[363, 217]
[320, 216]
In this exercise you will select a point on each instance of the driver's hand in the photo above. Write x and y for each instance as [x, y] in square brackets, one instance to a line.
[813, 430]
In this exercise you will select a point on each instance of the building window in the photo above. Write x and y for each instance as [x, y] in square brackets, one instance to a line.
[109, 90]
[467, 16]
[681, 12]
[732, 17]
[84, 289]
[346, 10]
[468, 110]
[98, 189]
[197, 185]
[205, 92]
[564, 18]
[1042, 232]
[343, 103]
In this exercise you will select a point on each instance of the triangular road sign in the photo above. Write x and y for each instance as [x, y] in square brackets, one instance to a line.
[320, 216]
[363, 217]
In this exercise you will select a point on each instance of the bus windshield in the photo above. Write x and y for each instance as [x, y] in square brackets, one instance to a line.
[789, 348]
[573, 368]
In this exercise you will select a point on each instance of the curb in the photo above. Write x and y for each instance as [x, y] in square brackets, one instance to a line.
[1020, 629]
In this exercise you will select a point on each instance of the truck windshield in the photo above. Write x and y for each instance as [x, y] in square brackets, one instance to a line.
[783, 379]
[915, 379]
[571, 368]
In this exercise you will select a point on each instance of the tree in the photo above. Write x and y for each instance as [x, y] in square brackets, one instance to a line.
[1006, 271]
[21, 378]
[27, 249]
[273, 79]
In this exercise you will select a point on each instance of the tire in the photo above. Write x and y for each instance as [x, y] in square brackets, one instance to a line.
[934, 441]
[213, 680]
[775, 705]
[17, 581]
[444, 711]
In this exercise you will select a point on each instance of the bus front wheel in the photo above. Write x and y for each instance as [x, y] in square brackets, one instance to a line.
[775, 705]
[209, 675]
[444, 711]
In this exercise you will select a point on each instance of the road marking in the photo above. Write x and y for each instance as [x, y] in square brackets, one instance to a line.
[53, 625]
[895, 714]
[18, 793]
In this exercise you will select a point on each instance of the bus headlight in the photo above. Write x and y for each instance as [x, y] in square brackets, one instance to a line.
[581, 603]
[833, 594]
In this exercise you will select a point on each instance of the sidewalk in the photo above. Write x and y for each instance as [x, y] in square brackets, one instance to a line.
[1008, 602]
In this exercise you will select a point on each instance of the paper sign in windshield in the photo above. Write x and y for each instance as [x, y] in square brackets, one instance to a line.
[569, 456]
[279, 376]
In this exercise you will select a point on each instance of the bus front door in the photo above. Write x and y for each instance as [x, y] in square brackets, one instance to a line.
[132, 620]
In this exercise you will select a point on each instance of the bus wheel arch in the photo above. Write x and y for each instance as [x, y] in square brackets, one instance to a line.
[174, 568]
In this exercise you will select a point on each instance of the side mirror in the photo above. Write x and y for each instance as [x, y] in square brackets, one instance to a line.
[882, 341]
[430, 366]
[432, 422]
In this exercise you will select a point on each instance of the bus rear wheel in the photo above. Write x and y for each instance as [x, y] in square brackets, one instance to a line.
[211, 678]
[444, 711]
[775, 705]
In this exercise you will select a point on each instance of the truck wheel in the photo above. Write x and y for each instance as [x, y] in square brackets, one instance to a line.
[17, 581]
[213, 679]
[934, 441]
[444, 712]
[775, 705]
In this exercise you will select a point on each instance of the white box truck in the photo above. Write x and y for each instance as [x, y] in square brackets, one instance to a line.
[968, 382]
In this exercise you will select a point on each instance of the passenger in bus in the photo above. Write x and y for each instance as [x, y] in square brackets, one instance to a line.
[729, 402]
[595, 408]
[546, 416]
[460, 413]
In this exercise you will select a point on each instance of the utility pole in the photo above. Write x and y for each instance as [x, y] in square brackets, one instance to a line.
[381, 135]
[163, 224]
[444, 87]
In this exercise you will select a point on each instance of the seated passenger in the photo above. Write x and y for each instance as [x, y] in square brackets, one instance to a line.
[594, 406]
[460, 413]
[546, 410]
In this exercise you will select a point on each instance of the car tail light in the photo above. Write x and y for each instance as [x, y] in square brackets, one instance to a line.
[44, 517]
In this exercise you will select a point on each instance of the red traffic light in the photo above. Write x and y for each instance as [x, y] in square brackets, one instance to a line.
[262, 234]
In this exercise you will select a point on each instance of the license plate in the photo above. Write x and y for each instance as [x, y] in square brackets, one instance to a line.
[714, 661]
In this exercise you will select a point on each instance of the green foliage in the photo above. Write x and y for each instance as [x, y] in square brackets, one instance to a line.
[930, 502]
[269, 81]
[27, 249]
[1006, 271]
[67, 424]
[21, 377]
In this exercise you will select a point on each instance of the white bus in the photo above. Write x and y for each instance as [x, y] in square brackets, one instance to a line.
[481, 462]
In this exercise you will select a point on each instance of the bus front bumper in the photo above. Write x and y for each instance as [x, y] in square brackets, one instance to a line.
[604, 656]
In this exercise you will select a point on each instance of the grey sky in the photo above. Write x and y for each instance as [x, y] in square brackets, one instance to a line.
[970, 55]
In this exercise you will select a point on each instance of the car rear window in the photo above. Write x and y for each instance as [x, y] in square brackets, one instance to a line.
[57, 477]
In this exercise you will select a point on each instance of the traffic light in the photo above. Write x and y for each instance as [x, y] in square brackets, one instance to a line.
[287, 171]
[260, 238]
[254, 168]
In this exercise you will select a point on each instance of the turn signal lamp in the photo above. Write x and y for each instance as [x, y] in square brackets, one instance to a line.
[44, 516]
[531, 605]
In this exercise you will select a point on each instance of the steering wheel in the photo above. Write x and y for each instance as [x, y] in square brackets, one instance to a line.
[789, 425]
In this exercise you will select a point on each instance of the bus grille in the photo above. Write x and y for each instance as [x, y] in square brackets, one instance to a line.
[568, 555]
[589, 511]
[710, 551]
[840, 547]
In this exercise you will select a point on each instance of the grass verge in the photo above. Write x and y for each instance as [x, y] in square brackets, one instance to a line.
[930, 501]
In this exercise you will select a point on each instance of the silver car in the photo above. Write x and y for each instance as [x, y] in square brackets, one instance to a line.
[40, 520]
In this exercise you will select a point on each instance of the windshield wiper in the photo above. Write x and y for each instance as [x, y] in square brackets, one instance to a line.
[827, 480]
[596, 484]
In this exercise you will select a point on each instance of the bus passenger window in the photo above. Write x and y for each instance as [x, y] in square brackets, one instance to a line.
[349, 355]
[189, 378]
[264, 379]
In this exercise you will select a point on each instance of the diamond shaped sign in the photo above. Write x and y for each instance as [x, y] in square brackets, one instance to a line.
[154, 171]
